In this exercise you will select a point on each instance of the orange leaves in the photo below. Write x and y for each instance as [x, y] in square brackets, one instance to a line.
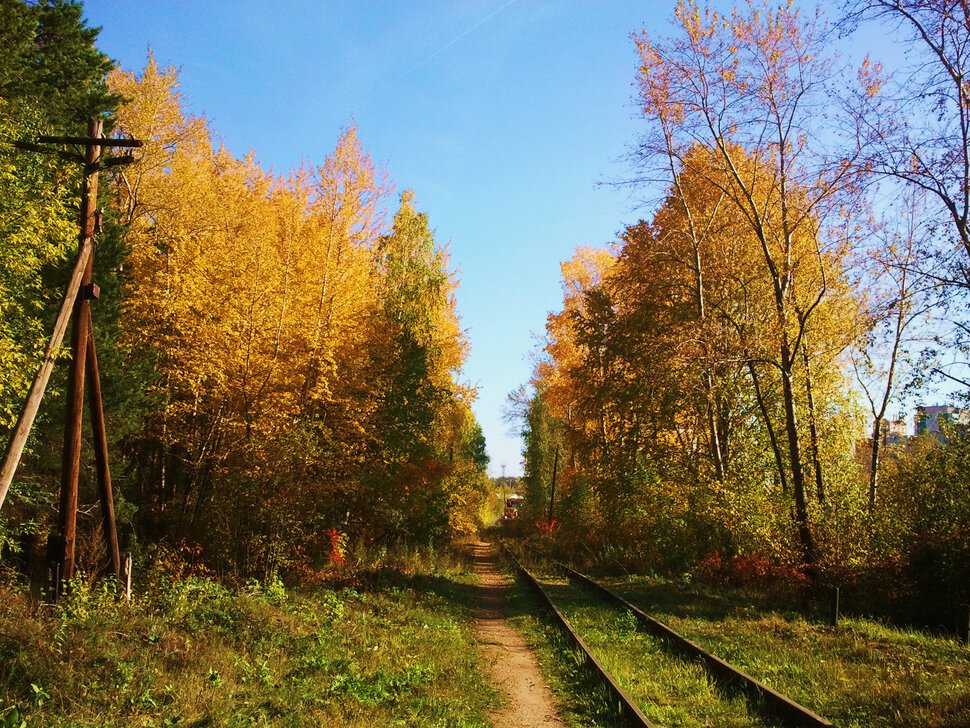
[564, 376]
[871, 77]
[585, 269]
[292, 336]
[722, 76]
[700, 27]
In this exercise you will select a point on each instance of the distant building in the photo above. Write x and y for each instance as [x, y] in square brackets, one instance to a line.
[894, 432]
[929, 419]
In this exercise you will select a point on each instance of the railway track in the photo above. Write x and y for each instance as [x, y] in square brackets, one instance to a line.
[761, 698]
[627, 707]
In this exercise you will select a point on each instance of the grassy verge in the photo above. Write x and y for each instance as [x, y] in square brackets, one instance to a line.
[860, 674]
[190, 652]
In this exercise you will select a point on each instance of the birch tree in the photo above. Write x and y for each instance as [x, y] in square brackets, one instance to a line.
[755, 87]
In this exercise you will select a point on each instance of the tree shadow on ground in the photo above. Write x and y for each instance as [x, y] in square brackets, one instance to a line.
[459, 589]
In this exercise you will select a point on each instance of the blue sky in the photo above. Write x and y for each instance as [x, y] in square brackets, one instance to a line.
[502, 116]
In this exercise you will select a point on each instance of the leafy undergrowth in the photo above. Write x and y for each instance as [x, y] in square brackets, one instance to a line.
[190, 652]
[669, 691]
[859, 674]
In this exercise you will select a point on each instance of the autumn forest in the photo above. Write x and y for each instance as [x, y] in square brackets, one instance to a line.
[284, 360]
[719, 383]
[281, 354]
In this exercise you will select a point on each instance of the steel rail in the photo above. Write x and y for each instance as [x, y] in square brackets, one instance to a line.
[783, 707]
[628, 708]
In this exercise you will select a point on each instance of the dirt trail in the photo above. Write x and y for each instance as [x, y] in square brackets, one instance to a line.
[514, 669]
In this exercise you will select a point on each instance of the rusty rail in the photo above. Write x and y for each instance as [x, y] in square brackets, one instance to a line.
[781, 706]
[628, 708]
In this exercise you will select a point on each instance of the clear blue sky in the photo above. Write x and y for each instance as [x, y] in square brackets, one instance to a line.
[502, 116]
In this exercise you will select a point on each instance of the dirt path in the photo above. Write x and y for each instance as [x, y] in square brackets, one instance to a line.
[513, 666]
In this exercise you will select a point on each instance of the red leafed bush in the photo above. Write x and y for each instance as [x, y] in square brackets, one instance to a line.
[746, 570]
[547, 528]
[337, 546]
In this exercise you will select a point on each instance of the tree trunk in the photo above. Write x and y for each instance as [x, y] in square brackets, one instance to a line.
[772, 437]
[874, 461]
[795, 455]
[813, 429]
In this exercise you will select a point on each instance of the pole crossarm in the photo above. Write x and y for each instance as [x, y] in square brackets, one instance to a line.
[95, 141]
[63, 154]
[18, 439]
[38, 146]
[117, 161]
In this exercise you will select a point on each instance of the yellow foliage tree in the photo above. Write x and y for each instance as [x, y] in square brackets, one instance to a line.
[253, 297]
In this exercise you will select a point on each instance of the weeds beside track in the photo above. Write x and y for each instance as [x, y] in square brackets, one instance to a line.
[762, 698]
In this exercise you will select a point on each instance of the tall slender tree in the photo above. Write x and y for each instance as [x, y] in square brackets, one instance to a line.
[752, 87]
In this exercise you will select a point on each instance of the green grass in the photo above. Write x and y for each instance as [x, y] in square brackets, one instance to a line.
[193, 653]
[396, 649]
[859, 674]
[669, 690]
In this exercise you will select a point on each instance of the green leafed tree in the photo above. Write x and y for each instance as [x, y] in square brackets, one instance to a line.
[418, 352]
[415, 289]
[542, 436]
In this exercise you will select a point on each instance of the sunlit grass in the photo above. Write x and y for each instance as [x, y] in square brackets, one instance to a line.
[859, 674]
[670, 691]
[198, 654]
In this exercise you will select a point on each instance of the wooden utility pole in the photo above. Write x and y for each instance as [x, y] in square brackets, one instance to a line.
[73, 420]
[84, 361]
[100, 431]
